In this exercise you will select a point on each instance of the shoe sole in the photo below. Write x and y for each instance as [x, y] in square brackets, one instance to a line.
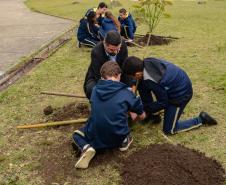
[126, 148]
[84, 160]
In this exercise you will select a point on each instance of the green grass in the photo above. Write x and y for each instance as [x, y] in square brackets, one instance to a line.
[200, 51]
[67, 8]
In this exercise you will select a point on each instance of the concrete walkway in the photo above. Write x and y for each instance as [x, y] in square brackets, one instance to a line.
[23, 32]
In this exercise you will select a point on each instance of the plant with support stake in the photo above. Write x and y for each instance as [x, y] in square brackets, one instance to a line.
[151, 11]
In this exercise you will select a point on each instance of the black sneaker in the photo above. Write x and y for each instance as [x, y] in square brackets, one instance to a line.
[207, 119]
[126, 143]
[153, 119]
[87, 154]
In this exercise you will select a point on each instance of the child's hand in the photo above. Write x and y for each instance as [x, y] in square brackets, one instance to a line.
[142, 116]
[133, 116]
[136, 117]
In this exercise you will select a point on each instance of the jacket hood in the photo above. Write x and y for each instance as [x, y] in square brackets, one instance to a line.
[106, 89]
[154, 69]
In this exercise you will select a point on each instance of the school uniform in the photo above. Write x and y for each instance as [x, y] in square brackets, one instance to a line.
[107, 125]
[128, 26]
[87, 33]
[106, 26]
[99, 19]
[173, 90]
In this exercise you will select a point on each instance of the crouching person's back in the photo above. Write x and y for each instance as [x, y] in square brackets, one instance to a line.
[107, 126]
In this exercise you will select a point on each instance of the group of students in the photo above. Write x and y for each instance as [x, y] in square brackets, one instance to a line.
[109, 86]
[97, 22]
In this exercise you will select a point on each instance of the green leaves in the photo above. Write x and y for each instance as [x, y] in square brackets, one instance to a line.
[151, 11]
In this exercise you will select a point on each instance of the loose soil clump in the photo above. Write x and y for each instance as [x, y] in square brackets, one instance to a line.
[154, 40]
[48, 110]
[68, 112]
[171, 164]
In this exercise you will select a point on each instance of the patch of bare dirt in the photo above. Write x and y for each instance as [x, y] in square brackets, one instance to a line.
[67, 112]
[58, 162]
[154, 40]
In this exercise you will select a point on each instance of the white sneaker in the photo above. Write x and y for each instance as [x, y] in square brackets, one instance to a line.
[79, 45]
[86, 156]
[129, 40]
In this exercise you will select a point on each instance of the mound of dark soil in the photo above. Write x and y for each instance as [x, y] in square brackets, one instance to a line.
[171, 165]
[68, 112]
[154, 40]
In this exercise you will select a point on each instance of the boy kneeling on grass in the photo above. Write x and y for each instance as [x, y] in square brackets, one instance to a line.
[107, 126]
[172, 88]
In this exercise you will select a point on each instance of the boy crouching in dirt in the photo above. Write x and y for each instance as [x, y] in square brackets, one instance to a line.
[107, 126]
[172, 88]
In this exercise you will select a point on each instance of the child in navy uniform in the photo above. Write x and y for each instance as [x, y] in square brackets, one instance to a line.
[107, 126]
[128, 25]
[109, 23]
[172, 88]
[100, 11]
[87, 31]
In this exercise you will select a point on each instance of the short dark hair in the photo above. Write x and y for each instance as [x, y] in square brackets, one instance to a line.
[110, 69]
[102, 5]
[113, 38]
[132, 65]
[123, 11]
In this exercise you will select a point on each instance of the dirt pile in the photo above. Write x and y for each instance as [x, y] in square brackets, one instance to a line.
[173, 165]
[154, 40]
[67, 112]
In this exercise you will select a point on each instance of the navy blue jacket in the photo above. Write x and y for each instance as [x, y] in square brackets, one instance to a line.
[106, 26]
[169, 83]
[131, 25]
[107, 125]
[87, 30]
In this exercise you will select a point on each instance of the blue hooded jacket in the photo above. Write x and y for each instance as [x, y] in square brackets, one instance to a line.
[87, 30]
[130, 24]
[106, 26]
[169, 83]
[107, 126]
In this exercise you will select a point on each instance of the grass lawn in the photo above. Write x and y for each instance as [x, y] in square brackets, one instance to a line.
[200, 51]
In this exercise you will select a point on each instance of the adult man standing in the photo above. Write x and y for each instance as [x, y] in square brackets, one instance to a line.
[112, 48]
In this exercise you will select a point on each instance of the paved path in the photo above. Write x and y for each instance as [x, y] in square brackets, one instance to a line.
[23, 32]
